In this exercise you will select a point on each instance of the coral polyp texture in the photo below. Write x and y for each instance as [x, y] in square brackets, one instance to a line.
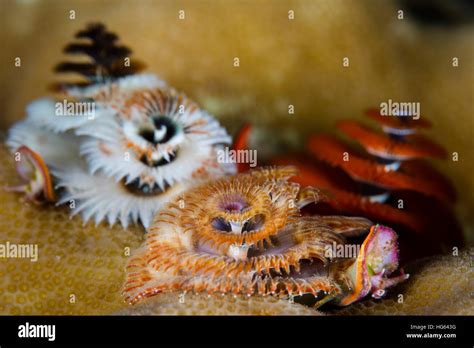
[245, 235]
[120, 144]
[88, 262]
[177, 303]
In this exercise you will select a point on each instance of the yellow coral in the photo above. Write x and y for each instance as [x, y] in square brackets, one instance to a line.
[79, 268]
[201, 304]
[89, 262]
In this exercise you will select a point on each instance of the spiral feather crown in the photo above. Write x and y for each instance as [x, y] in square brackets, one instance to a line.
[242, 234]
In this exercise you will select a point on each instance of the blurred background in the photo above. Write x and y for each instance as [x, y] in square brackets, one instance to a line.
[282, 62]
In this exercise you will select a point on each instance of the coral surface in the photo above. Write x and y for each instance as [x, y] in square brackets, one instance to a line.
[89, 263]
